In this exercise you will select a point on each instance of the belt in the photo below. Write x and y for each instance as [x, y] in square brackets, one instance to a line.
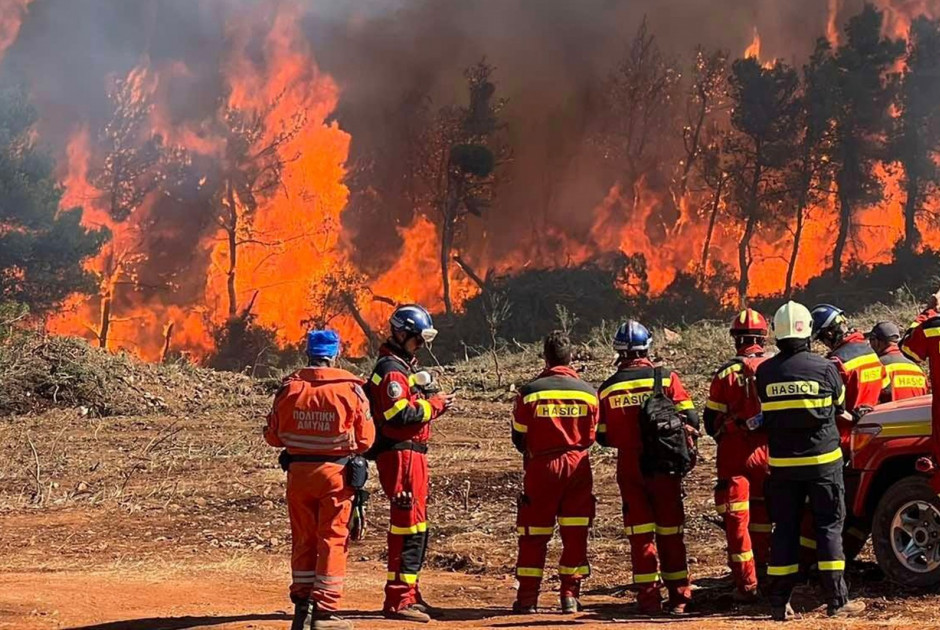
[319, 459]
[409, 445]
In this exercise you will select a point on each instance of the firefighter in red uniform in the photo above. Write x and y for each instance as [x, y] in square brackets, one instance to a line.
[403, 408]
[321, 417]
[906, 378]
[865, 378]
[653, 513]
[921, 343]
[729, 418]
[554, 424]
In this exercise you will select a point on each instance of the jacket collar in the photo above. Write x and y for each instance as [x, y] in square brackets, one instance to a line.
[559, 370]
[635, 363]
[391, 348]
[754, 350]
[326, 375]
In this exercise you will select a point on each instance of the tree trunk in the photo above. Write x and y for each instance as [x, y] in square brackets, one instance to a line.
[744, 264]
[350, 303]
[911, 233]
[712, 219]
[447, 243]
[232, 233]
[104, 323]
[797, 238]
[845, 219]
[167, 336]
[692, 151]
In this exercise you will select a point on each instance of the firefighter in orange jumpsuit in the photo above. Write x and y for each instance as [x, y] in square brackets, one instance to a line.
[907, 379]
[729, 418]
[554, 424]
[865, 379]
[404, 409]
[921, 343]
[653, 513]
[321, 417]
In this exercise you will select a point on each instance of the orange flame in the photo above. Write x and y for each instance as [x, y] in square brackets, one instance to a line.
[753, 49]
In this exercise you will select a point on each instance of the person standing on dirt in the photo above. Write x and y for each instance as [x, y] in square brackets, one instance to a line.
[730, 418]
[921, 343]
[907, 379]
[403, 406]
[554, 425]
[650, 480]
[801, 396]
[321, 418]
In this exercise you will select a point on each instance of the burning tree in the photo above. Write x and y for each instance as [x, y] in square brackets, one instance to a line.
[863, 97]
[811, 173]
[461, 155]
[764, 118]
[136, 163]
[252, 167]
[916, 133]
[637, 109]
[708, 94]
[41, 247]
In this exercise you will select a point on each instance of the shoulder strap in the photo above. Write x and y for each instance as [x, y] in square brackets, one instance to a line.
[658, 380]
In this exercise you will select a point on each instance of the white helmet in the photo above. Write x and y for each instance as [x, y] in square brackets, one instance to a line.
[793, 321]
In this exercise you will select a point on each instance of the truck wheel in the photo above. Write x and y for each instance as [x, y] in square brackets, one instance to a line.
[906, 533]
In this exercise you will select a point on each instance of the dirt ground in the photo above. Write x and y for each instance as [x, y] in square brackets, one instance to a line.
[177, 520]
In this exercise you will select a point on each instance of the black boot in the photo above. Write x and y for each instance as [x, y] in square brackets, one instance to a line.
[303, 614]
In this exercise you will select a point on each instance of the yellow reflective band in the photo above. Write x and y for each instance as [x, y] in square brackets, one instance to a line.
[685, 405]
[602, 428]
[535, 531]
[585, 570]
[573, 521]
[761, 528]
[799, 403]
[561, 394]
[645, 578]
[858, 362]
[555, 410]
[376, 379]
[676, 575]
[886, 382]
[390, 576]
[528, 572]
[809, 543]
[396, 409]
[747, 556]
[426, 410]
[408, 578]
[644, 528]
[737, 506]
[731, 369]
[790, 569]
[840, 400]
[913, 381]
[405, 531]
[668, 531]
[638, 383]
[832, 565]
[521, 428]
[856, 533]
[906, 429]
[716, 406]
[910, 353]
[872, 374]
[931, 332]
[815, 460]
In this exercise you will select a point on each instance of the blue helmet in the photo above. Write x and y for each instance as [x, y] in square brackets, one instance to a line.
[415, 320]
[632, 336]
[322, 344]
[826, 316]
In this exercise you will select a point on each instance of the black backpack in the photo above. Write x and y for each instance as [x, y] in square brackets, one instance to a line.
[665, 447]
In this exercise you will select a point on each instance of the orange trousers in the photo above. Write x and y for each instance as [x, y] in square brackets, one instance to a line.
[739, 499]
[319, 503]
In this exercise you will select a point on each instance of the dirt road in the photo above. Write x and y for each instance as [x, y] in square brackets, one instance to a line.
[247, 594]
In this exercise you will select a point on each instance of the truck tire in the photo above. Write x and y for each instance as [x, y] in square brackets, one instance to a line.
[906, 533]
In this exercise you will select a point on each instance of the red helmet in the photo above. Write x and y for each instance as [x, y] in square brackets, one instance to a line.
[749, 323]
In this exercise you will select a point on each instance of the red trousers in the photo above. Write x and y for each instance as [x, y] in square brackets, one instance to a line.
[739, 498]
[654, 521]
[319, 503]
[404, 479]
[555, 487]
